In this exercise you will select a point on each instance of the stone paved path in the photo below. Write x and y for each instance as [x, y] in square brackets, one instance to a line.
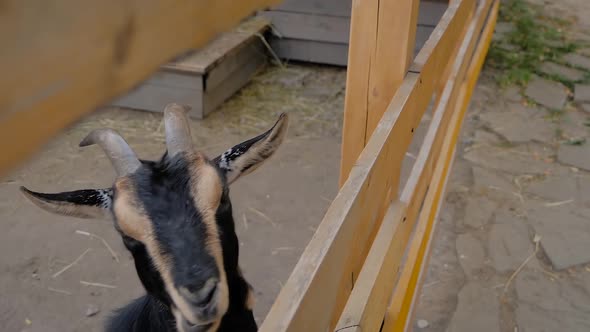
[512, 250]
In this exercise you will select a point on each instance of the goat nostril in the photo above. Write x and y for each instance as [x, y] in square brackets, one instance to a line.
[208, 295]
[191, 290]
[203, 295]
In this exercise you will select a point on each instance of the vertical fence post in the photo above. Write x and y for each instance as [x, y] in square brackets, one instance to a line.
[381, 48]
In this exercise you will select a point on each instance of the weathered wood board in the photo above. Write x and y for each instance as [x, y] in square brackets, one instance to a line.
[343, 8]
[327, 52]
[318, 30]
[62, 60]
[319, 7]
[311, 51]
[206, 78]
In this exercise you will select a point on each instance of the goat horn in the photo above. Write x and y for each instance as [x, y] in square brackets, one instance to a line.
[116, 148]
[178, 132]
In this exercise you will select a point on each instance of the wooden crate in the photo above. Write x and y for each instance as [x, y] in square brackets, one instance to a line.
[205, 78]
[317, 30]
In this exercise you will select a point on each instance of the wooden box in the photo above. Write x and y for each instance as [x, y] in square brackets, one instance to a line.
[206, 78]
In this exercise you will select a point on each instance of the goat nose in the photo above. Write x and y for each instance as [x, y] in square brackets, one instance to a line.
[203, 295]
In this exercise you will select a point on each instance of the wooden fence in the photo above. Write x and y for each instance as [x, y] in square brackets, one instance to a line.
[363, 268]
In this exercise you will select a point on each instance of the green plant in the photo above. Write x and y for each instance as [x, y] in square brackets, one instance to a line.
[534, 38]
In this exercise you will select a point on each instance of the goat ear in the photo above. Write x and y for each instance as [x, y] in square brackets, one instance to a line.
[87, 203]
[245, 157]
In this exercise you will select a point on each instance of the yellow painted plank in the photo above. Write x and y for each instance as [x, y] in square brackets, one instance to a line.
[443, 79]
[425, 160]
[480, 56]
[60, 60]
[396, 320]
[406, 293]
[308, 300]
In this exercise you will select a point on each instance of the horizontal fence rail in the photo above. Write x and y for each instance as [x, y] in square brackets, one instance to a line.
[382, 285]
[453, 104]
[62, 59]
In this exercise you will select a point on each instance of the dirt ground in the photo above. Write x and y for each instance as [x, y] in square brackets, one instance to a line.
[276, 208]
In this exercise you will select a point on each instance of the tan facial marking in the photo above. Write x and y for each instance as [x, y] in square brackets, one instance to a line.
[134, 222]
[206, 188]
[250, 298]
[206, 184]
[131, 218]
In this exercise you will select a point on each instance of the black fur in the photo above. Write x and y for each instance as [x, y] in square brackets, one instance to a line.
[145, 314]
[164, 192]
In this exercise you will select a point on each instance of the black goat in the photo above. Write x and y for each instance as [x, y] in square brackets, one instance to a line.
[175, 217]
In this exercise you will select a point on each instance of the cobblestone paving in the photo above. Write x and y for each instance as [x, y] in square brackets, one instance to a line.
[512, 249]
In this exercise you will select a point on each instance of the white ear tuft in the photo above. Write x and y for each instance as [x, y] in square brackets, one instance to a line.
[87, 203]
[247, 156]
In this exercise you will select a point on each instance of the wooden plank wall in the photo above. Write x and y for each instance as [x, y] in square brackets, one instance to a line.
[61, 61]
[318, 30]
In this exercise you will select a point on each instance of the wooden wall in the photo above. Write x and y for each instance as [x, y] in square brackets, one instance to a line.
[60, 60]
[317, 30]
